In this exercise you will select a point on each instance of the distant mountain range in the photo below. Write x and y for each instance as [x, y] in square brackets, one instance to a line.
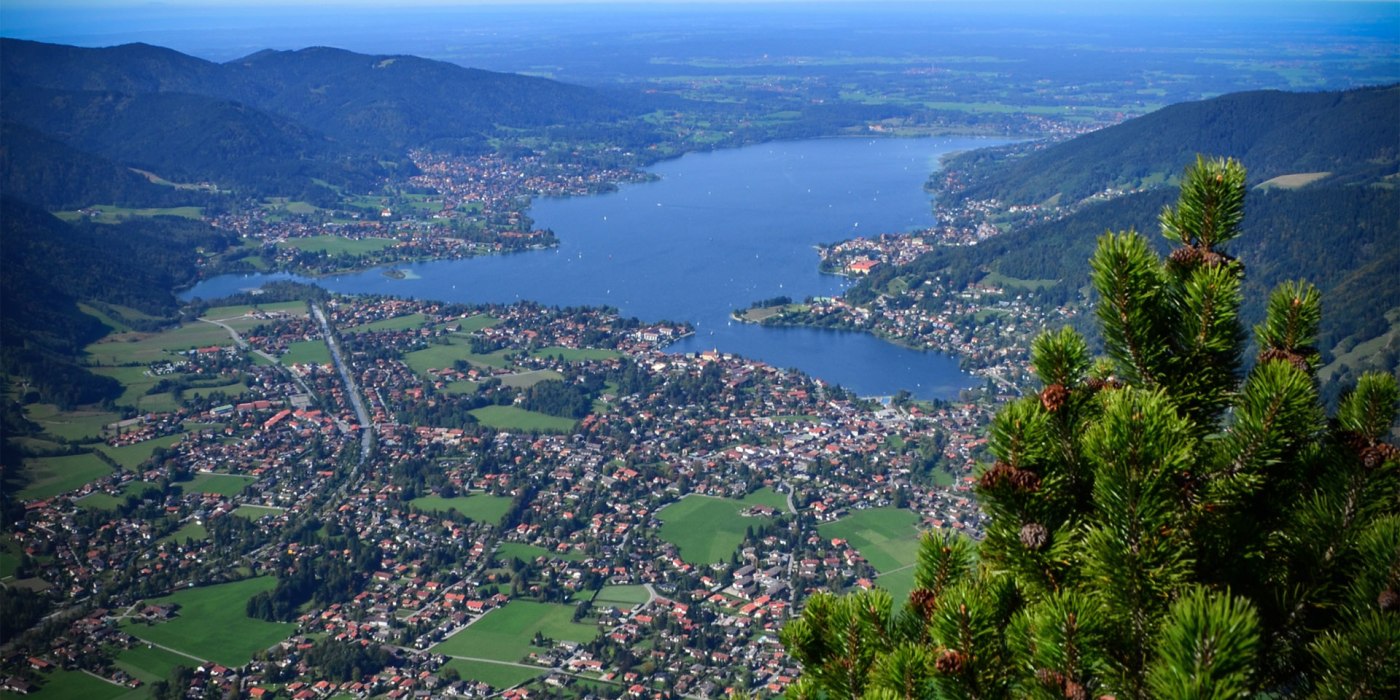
[270, 122]
[1324, 207]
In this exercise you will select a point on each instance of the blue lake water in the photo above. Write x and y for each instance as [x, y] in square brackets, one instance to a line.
[716, 232]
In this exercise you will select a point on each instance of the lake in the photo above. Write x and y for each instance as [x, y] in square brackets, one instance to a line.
[716, 232]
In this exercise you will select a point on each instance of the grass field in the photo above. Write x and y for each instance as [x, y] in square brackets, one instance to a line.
[75, 685]
[190, 531]
[577, 354]
[144, 348]
[212, 625]
[504, 634]
[312, 352]
[132, 456]
[335, 245]
[472, 324]
[525, 380]
[222, 484]
[887, 537]
[516, 418]
[625, 597]
[224, 313]
[103, 501]
[1292, 181]
[436, 357]
[70, 425]
[397, 323]
[480, 507]
[497, 676]
[256, 512]
[528, 552]
[465, 386]
[50, 476]
[151, 664]
[704, 528]
[109, 214]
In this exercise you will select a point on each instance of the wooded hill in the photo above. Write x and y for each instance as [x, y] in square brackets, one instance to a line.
[1340, 231]
[273, 121]
[1354, 136]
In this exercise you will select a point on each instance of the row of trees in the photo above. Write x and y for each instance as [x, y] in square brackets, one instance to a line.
[1160, 525]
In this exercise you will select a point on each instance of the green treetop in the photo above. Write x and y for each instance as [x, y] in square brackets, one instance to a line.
[1162, 525]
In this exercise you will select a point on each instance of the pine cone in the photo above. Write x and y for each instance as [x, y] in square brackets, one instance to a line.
[1373, 456]
[1388, 600]
[1288, 356]
[1050, 677]
[1034, 536]
[924, 601]
[1053, 397]
[951, 662]
[1002, 475]
[1075, 691]
[1025, 480]
[1186, 256]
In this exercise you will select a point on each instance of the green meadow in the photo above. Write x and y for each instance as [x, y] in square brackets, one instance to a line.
[212, 624]
[514, 418]
[888, 538]
[504, 634]
[50, 476]
[707, 529]
[482, 508]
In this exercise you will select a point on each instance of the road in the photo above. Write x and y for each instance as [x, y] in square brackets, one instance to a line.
[352, 389]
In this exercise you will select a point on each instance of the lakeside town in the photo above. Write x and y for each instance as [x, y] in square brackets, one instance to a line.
[389, 481]
[291, 476]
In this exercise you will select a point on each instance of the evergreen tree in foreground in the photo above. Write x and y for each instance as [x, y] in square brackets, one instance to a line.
[1161, 527]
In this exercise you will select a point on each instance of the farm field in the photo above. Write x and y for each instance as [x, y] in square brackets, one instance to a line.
[132, 456]
[306, 352]
[887, 537]
[479, 507]
[436, 357]
[144, 348]
[50, 476]
[504, 634]
[151, 664]
[222, 484]
[706, 529]
[516, 418]
[110, 214]
[70, 425]
[212, 624]
[76, 685]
